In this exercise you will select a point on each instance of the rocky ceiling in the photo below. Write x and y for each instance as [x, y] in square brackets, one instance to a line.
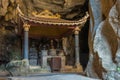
[68, 9]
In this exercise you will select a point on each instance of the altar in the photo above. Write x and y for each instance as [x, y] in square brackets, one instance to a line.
[47, 58]
[60, 64]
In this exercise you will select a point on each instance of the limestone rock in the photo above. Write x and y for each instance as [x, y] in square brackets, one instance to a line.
[4, 4]
[68, 9]
[104, 39]
[62, 7]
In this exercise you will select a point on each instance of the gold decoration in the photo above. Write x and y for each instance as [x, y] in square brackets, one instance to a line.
[77, 29]
[26, 27]
[46, 14]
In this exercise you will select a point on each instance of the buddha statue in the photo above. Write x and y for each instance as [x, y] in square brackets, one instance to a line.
[52, 50]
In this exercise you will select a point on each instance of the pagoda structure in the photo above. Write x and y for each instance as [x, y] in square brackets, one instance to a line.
[47, 24]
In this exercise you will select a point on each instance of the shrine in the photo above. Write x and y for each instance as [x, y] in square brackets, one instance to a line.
[59, 39]
[49, 29]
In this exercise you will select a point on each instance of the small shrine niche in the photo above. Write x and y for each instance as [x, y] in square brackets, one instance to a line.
[50, 26]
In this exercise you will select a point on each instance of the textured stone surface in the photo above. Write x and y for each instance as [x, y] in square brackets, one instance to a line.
[104, 39]
[68, 9]
[63, 7]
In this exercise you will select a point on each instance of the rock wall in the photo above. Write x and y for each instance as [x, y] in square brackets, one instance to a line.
[68, 9]
[104, 38]
[8, 10]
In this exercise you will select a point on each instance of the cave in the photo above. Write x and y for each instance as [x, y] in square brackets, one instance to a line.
[66, 38]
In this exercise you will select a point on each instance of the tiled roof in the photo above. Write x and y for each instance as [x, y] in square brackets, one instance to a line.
[53, 21]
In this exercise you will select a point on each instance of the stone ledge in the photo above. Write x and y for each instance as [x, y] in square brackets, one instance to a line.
[71, 69]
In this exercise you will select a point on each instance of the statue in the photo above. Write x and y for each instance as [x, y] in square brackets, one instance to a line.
[33, 55]
[52, 51]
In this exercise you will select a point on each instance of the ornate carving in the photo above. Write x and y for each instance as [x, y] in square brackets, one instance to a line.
[26, 27]
[46, 14]
[77, 29]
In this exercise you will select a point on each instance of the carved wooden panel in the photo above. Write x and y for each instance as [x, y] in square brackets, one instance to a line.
[55, 63]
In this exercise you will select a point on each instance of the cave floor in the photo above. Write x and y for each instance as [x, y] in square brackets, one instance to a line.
[50, 76]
